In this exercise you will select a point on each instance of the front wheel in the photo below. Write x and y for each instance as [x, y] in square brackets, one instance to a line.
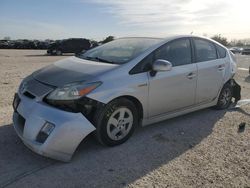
[225, 97]
[116, 122]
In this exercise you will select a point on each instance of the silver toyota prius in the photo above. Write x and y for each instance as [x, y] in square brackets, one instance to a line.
[111, 89]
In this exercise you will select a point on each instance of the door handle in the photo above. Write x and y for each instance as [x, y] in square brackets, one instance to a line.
[191, 75]
[221, 67]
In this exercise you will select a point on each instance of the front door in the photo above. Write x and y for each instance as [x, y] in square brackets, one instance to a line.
[173, 90]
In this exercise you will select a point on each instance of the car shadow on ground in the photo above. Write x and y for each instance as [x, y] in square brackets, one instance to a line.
[94, 165]
[43, 55]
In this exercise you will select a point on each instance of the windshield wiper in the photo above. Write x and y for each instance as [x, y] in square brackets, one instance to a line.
[100, 59]
[104, 60]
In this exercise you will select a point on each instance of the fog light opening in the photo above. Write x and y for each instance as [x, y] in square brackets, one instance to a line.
[48, 128]
[45, 132]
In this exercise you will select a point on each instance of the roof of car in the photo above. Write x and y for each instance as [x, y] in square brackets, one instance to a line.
[170, 37]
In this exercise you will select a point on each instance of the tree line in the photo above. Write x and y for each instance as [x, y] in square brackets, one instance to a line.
[223, 40]
[7, 43]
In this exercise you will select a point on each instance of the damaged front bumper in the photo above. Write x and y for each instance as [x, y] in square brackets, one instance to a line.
[69, 130]
[236, 89]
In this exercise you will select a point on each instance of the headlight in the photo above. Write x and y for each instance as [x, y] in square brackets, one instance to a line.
[73, 91]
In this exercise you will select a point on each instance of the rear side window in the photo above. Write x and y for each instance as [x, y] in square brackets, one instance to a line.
[205, 50]
[221, 51]
[177, 52]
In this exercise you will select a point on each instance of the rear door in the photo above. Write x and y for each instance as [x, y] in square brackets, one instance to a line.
[211, 70]
[68, 46]
[175, 89]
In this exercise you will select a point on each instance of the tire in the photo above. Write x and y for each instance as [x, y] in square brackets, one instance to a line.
[225, 97]
[111, 128]
[58, 52]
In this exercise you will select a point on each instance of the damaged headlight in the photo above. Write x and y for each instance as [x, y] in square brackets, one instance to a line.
[73, 91]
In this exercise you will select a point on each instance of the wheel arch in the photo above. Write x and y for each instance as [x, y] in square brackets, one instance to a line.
[136, 102]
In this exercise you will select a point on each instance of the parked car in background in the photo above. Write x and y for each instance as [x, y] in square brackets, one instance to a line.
[113, 88]
[4, 44]
[246, 51]
[73, 45]
[235, 50]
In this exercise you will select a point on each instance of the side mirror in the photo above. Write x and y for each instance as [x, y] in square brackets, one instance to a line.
[160, 65]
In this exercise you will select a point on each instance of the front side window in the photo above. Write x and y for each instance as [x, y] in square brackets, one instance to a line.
[177, 52]
[205, 50]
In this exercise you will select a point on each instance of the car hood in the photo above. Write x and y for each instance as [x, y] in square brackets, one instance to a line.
[70, 70]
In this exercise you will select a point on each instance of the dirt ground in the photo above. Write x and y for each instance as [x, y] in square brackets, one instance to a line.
[201, 149]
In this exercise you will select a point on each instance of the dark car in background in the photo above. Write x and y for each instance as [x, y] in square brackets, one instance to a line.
[246, 51]
[236, 50]
[73, 45]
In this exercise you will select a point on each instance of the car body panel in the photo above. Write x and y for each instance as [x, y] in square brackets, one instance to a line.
[70, 128]
[176, 113]
[210, 79]
[113, 87]
[165, 89]
[71, 70]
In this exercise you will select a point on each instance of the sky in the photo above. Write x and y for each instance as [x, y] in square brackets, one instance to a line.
[97, 19]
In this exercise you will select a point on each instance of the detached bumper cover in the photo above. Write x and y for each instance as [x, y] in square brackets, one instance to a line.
[70, 128]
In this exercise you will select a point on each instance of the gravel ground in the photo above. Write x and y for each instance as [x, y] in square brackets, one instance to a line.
[201, 149]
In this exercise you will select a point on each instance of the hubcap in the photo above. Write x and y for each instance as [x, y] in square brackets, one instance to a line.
[120, 123]
[225, 97]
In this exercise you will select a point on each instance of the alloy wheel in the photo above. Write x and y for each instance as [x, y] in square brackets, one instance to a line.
[120, 123]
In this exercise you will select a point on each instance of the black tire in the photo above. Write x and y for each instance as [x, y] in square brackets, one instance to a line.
[225, 98]
[58, 52]
[103, 115]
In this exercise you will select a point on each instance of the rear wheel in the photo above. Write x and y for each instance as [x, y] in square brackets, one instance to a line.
[58, 52]
[116, 122]
[225, 97]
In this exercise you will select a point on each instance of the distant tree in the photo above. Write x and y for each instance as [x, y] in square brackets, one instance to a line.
[220, 39]
[6, 38]
[204, 34]
[93, 43]
[239, 43]
[108, 39]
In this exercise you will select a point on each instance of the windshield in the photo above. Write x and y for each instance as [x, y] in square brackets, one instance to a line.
[119, 51]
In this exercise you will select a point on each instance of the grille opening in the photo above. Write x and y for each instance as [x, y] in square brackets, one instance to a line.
[21, 122]
[29, 95]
